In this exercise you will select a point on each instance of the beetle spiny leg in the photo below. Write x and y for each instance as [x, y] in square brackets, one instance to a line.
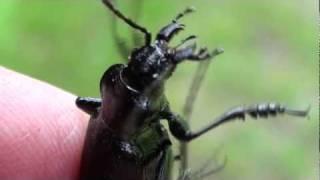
[203, 54]
[263, 110]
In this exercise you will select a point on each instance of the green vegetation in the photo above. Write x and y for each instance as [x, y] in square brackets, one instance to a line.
[270, 55]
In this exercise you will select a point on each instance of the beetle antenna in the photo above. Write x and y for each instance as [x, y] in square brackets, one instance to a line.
[128, 21]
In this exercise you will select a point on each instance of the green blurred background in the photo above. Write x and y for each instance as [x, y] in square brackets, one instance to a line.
[270, 55]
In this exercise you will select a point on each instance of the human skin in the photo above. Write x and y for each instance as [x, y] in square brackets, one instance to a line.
[41, 130]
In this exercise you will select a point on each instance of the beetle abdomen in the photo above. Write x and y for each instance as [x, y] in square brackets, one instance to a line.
[107, 157]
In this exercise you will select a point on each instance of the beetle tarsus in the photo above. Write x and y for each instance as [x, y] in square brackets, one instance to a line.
[190, 53]
[302, 113]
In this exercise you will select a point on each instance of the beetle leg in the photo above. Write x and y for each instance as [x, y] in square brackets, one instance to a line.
[190, 53]
[167, 32]
[88, 104]
[181, 131]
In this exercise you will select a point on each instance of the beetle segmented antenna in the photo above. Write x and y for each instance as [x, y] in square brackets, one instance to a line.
[128, 21]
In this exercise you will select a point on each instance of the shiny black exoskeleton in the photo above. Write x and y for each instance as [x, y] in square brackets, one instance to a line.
[125, 140]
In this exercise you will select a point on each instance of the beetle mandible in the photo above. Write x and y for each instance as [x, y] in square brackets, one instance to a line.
[125, 139]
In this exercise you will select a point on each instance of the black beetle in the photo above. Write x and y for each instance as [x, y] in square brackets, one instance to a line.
[125, 140]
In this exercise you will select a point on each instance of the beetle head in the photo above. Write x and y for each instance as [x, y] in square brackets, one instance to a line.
[150, 64]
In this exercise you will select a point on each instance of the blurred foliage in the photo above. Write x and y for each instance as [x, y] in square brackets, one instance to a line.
[270, 55]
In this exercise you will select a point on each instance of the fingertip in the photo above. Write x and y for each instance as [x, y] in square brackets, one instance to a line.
[42, 129]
